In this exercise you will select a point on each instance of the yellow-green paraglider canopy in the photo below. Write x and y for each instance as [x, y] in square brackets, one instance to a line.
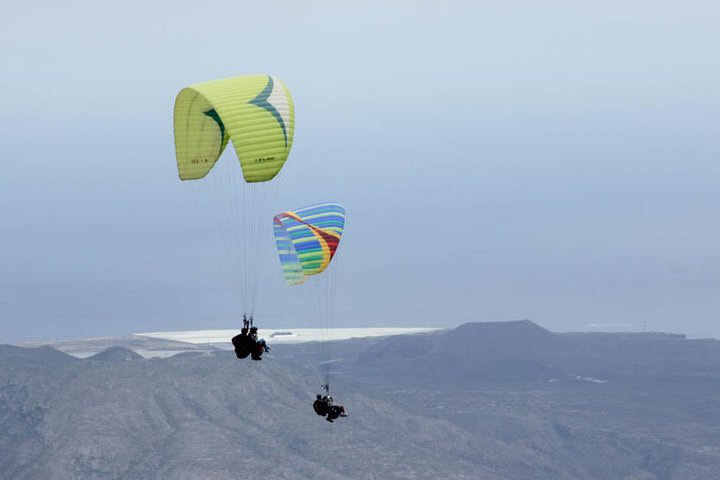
[255, 112]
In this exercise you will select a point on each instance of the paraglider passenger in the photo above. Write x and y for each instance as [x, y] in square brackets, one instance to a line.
[259, 344]
[335, 412]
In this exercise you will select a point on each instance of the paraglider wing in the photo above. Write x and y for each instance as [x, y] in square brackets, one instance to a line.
[255, 112]
[307, 239]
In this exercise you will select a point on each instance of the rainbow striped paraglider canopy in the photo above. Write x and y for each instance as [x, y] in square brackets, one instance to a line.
[307, 239]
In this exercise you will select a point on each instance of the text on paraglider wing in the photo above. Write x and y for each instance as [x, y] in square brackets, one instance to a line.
[199, 160]
[264, 159]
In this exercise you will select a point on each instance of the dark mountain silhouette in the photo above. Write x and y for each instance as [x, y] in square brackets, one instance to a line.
[523, 351]
[473, 352]
[116, 354]
[36, 356]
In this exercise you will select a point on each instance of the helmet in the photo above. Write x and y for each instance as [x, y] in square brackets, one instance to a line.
[253, 329]
[318, 396]
[243, 331]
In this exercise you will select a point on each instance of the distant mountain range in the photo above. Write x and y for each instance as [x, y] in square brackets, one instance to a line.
[165, 344]
[506, 400]
[525, 352]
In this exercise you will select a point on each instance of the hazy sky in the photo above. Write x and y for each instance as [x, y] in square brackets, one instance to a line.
[556, 161]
